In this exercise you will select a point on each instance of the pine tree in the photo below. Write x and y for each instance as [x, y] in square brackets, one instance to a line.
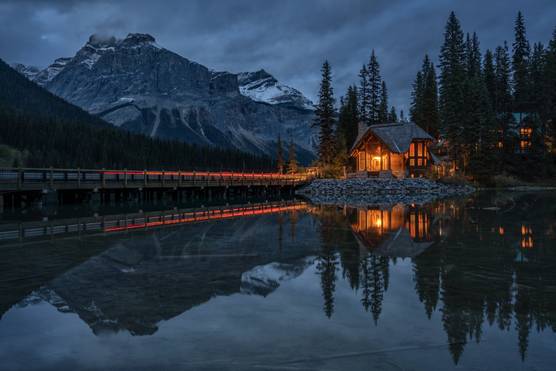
[292, 159]
[324, 117]
[348, 119]
[416, 108]
[392, 116]
[431, 115]
[375, 84]
[520, 66]
[490, 76]
[279, 156]
[452, 78]
[503, 100]
[424, 98]
[364, 94]
[383, 107]
[503, 93]
[550, 87]
[537, 71]
[402, 117]
[480, 132]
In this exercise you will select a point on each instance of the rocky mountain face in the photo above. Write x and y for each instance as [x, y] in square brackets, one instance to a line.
[137, 85]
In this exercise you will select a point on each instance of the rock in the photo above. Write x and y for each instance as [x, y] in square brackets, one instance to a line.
[379, 191]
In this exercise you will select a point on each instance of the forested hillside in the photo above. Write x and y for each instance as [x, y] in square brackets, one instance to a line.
[51, 132]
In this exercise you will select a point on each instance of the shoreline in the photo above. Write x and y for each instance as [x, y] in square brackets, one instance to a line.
[377, 191]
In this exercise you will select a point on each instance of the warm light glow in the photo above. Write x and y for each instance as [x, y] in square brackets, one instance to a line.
[501, 231]
[526, 237]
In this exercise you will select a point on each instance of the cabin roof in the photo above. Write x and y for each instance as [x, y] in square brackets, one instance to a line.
[396, 136]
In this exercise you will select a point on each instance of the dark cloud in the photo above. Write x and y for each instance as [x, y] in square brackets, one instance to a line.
[288, 38]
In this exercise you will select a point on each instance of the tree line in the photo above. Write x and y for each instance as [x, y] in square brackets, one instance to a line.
[49, 132]
[485, 100]
[475, 104]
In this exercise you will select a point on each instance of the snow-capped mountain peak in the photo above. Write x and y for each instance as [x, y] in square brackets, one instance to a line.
[263, 87]
[28, 71]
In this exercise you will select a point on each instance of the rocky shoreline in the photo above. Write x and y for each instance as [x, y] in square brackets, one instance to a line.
[377, 191]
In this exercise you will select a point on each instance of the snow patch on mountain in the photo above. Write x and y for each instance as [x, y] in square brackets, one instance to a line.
[261, 86]
[28, 71]
[264, 279]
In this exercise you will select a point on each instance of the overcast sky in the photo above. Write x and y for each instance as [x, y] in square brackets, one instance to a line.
[288, 38]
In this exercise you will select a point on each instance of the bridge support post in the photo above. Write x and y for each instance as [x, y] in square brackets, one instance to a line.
[95, 197]
[49, 197]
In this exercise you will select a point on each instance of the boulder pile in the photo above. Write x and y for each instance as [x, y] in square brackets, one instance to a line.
[371, 191]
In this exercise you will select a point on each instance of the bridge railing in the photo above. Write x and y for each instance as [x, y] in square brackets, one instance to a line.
[19, 178]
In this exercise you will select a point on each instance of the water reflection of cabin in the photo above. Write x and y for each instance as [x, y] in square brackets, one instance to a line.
[401, 149]
[402, 231]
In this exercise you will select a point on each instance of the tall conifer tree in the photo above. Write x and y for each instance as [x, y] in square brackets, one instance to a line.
[349, 119]
[490, 76]
[383, 107]
[324, 117]
[452, 78]
[520, 66]
[375, 82]
[424, 98]
[550, 87]
[364, 94]
[393, 116]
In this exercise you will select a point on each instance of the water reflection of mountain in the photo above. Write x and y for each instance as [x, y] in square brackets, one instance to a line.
[151, 277]
[472, 263]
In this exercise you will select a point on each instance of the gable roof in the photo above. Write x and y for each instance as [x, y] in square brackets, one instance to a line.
[397, 244]
[397, 137]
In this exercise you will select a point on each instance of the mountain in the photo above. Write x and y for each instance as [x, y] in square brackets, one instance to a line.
[45, 130]
[261, 86]
[30, 72]
[137, 85]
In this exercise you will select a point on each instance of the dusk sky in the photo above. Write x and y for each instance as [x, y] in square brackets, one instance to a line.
[289, 39]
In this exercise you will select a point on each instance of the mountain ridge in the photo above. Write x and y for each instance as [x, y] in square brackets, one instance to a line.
[138, 85]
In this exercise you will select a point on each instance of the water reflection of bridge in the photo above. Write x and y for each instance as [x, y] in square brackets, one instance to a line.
[32, 231]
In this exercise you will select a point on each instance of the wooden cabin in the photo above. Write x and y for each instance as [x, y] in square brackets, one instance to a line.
[400, 149]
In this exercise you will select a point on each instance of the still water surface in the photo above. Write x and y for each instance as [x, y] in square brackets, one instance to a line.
[461, 284]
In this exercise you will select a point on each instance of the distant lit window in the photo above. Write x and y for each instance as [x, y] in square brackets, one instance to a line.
[526, 237]
[525, 135]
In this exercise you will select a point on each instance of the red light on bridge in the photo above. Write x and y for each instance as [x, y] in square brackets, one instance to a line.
[192, 217]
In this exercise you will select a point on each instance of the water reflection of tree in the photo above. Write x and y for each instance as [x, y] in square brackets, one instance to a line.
[482, 270]
[374, 282]
[328, 261]
[479, 270]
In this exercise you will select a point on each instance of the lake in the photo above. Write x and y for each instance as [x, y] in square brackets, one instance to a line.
[457, 284]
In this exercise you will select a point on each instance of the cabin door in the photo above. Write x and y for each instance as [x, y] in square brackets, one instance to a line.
[375, 164]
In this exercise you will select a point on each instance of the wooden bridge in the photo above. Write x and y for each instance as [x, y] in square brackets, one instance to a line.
[26, 185]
